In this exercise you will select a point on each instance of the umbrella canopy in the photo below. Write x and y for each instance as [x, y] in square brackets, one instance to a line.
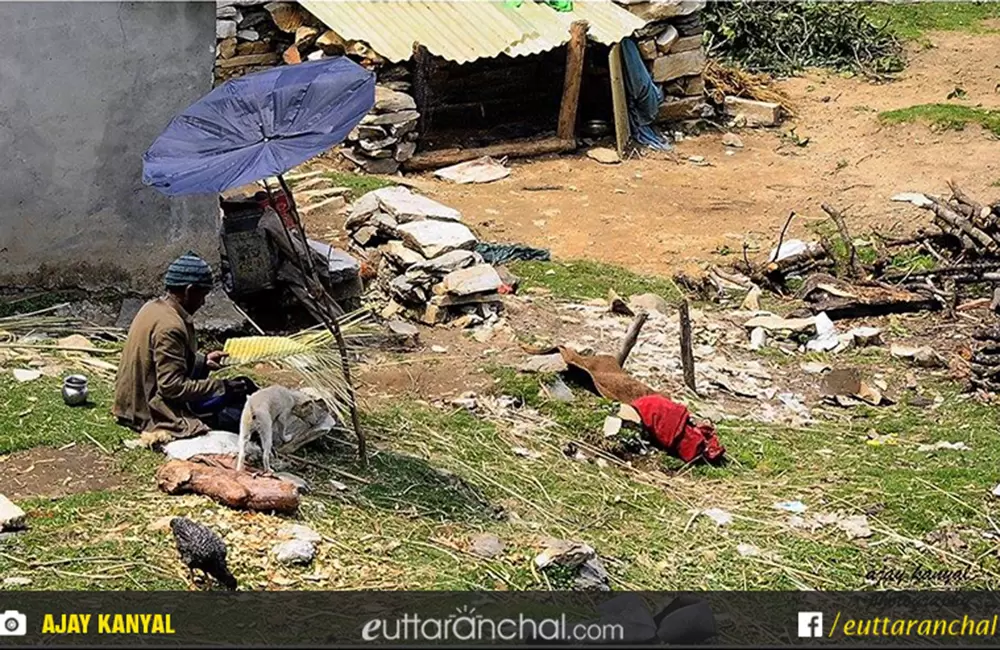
[259, 125]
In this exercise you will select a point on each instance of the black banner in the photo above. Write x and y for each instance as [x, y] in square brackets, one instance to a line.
[337, 619]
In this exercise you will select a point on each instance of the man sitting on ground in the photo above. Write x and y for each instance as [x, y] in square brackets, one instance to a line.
[163, 383]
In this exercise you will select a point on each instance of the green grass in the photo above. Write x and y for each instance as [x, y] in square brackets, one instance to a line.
[440, 475]
[945, 116]
[912, 20]
[33, 414]
[359, 184]
[584, 279]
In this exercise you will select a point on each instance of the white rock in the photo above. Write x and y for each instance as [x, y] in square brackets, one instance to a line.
[604, 155]
[719, 516]
[431, 238]
[23, 374]
[401, 256]
[747, 550]
[300, 532]
[758, 338]
[225, 29]
[865, 336]
[544, 363]
[486, 545]
[11, 516]
[248, 35]
[773, 323]
[17, 581]
[295, 551]
[475, 279]
[732, 140]
[788, 248]
[917, 199]
[392, 101]
[406, 206]
[612, 426]
[666, 38]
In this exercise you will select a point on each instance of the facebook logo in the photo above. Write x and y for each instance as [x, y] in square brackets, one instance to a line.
[810, 624]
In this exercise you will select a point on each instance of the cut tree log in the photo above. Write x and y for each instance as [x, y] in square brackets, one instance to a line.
[526, 149]
[233, 489]
[575, 50]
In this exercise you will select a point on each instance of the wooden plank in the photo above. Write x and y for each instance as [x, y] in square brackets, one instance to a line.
[622, 133]
[575, 51]
[445, 157]
[687, 351]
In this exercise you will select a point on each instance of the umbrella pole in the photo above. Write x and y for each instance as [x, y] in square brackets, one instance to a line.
[331, 323]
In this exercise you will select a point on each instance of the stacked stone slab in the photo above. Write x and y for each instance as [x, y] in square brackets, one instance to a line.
[387, 136]
[425, 259]
[671, 45]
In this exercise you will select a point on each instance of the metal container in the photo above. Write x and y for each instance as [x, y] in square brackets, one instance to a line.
[596, 128]
[74, 391]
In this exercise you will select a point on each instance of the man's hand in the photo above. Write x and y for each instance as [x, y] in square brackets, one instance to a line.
[213, 360]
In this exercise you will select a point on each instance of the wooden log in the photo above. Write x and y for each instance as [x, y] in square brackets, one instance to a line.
[631, 337]
[687, 351]
[445, 157]
[575, 50]
[422, 68]
[233, 489]
[955, 220]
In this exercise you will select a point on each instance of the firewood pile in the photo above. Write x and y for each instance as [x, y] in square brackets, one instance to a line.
[423, 259]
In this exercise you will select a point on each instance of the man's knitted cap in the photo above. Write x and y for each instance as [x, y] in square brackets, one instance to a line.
[188, 269]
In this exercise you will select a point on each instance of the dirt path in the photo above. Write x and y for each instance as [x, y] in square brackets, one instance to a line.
[655, 215]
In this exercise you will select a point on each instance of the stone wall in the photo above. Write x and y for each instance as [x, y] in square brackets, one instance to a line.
[85, 88]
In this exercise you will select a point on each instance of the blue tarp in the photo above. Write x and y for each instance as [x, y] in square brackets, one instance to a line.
[259, 125]
[644, 98]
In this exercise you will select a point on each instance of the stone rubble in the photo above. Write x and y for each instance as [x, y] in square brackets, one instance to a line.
[424, 258]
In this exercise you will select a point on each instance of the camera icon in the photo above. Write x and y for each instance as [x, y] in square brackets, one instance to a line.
[13, 623]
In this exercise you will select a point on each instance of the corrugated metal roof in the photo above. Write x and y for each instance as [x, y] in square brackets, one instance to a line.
[466, 30]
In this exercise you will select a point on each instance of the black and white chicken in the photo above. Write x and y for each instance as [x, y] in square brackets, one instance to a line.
[202, 549]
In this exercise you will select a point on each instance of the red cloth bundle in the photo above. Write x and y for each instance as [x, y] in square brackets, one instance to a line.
[673, 429]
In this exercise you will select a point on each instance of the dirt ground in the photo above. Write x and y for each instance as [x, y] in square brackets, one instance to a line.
[48, 472]
[655, 215]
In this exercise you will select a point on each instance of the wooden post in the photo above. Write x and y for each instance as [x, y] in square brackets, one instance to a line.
[421, 85]
[631, 337]
[618, 101]
[575, 50]
[687, 352]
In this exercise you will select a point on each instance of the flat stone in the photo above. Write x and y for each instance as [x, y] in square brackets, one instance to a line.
[732, 140]
[666, 38]
[758, 338]
[604, 155]
[341, 265]
[295, 551]
[475, 279]
[11, 516]
[222, 443]
[673, 66]
[300, 532]
[662, 9]
[229, 12]
[226, 49]
[431, 237]
[648, 302]
[647, 49]
[248, 35]
[773, 323]
[17, 581]
[389, 119]
[486, 545]
[865, 336]
[381, 148]
[612, 426]
[544, 363]
[564, 553]
[679, 110]
[225, 29]
[405, 151]
[842, 381]
[404, 332]
[756, 113]
[219, 317]
[392, 101]
[405, 127]
[400, 256]
[384, 166]
[686, 44]
[405, 206]
[447, 263]
[23, 375]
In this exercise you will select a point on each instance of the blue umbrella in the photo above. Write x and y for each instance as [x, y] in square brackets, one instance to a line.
[259, 125]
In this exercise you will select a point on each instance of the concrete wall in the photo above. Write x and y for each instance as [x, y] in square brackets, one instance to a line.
[85, 88]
